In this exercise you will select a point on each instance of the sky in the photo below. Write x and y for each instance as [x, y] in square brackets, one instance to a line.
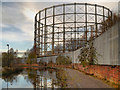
[18, 20]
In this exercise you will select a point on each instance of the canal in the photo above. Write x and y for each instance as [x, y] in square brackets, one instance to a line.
[48, 78]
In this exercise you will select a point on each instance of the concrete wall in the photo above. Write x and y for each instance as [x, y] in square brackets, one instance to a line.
[48, 59]
[73, 56]
[108, 46]
[119, 33]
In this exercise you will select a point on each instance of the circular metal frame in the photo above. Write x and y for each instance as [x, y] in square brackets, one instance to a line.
[66, 27]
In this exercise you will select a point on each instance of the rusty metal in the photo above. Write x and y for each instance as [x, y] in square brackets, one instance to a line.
[67, 27]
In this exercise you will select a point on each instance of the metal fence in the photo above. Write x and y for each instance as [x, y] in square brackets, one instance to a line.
[67, 27]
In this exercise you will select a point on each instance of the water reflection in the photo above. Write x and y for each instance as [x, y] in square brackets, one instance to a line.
[34, 78]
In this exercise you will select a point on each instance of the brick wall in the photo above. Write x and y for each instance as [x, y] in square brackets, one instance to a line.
[110, 73]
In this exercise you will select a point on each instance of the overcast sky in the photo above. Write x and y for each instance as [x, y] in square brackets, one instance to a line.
[18, 20]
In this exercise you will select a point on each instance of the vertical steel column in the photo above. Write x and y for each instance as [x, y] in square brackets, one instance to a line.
[111, 18]
[53, 30]
[71, 41]
[39, 34]
[103, 20]
[35, 32]
[63, 27]
[58, 40]
[45, 34]
[108, 13]
[42, 41]
[96, 19]
[75, 26]
[91, 31]
[86, 21]
[108, 19]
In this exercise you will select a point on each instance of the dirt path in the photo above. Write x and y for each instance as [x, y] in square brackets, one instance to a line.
[77, 79]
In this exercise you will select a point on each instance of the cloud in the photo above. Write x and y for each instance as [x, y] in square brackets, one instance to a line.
[21, 16]
[29, 13]
[15, 36]
[18, 18]
[13, 16]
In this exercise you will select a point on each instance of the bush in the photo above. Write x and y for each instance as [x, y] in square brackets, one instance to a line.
[32, 58]
[88, 55]
[50, 62]
[63, 60]
[41, 62]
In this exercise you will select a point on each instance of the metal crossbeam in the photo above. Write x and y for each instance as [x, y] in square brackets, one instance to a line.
[66, 27]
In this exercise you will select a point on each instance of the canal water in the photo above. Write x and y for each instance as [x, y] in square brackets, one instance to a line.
[33, 78]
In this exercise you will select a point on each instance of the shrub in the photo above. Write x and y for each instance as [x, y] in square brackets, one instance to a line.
[88, 55]
[50, 62]
[63, 60]
[32, 58]
[41, 62]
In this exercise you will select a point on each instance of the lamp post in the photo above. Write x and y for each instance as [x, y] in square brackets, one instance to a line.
[8, 64]
[8, 54]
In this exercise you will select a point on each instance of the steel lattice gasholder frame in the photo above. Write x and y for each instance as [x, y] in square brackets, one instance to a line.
[67, 27]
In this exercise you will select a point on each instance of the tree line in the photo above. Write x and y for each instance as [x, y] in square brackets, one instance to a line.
[10, 58]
